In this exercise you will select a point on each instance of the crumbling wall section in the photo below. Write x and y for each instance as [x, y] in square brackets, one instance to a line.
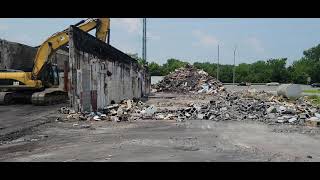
[100, 74]
[20, 56]
[16, 56]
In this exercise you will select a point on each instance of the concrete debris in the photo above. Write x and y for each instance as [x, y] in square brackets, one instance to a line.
[257, 106]
[96, 118]
[291, 120]
[189, 79]
[271, 109]
[313, 121]
[115, 119]
[124, 111]
[149, 111]
[224, 106]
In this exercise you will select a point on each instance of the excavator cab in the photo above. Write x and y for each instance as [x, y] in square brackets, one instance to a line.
[50, 76]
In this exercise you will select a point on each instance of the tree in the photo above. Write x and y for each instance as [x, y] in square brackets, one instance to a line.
[278, 70]
[307, 66]
[243, 73]
[155, 69]
[173, 64]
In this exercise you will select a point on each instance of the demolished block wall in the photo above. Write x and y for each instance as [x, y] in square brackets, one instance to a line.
[100, 74]
[16, 56]
[20, 56]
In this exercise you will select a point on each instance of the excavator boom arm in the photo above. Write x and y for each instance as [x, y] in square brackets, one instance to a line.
[59, 39]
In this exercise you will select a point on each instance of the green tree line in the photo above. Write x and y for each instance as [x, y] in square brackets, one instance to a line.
[272, 70]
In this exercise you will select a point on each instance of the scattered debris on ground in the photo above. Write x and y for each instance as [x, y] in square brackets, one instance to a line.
[189, 79]
[223, 105]
[259, 106]
[126, 110]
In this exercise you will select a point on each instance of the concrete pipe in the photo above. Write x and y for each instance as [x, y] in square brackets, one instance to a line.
[291, 91]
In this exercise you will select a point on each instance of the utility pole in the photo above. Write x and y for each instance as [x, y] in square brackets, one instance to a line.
[144, 40]
[218, 65]
[234, 63]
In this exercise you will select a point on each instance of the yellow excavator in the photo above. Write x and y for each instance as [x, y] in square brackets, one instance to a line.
[41, 86]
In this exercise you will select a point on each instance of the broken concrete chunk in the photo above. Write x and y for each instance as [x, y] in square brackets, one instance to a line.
[252, 116]
[271, 109]
[169, 116]
[103, 117]
[227, 115]
[129, 104]
[63, 110]
[96, 118]
[281, 121]
[188, 115]
[223, 109]
[115, 119]
[159, 116]
[200, 116]
[313, 121]
[292, 120]
[113, 112]
[149, 111]
[287, 117]
[282, 109]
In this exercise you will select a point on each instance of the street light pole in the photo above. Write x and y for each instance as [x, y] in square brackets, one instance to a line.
[218, 65]
[234, 64]
[144, 40]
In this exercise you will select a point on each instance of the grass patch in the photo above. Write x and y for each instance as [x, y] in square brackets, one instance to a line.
[312, 91]
[315, 100]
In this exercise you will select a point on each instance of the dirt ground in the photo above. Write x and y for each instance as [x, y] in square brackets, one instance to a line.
[29, 133]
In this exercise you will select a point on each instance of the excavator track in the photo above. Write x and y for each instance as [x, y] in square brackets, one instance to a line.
[49, 96]
[6, 98]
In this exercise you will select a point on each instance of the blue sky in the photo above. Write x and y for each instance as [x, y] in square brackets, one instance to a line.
[188, 39]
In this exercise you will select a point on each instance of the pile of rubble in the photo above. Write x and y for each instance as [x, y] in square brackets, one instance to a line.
[259, 106]
[124, 111]
[189, 79]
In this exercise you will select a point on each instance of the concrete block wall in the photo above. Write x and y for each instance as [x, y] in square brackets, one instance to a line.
[100, 74]
[16, 56]
[20, 56]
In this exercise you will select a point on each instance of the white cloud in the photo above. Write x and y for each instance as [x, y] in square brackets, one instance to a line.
[204, 39]
[132, 25]
[255, 43]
